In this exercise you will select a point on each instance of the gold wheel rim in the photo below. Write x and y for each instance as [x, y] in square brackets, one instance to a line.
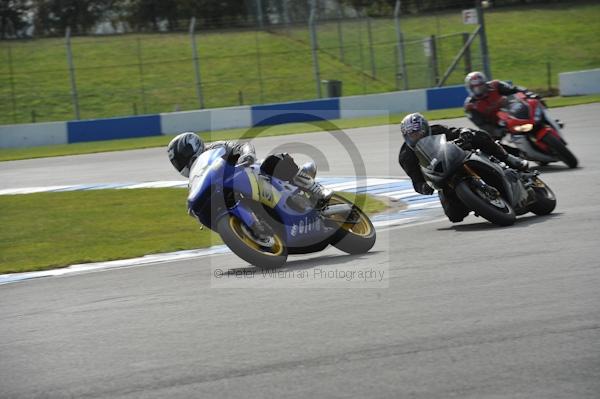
[362, 228]
[275, 250]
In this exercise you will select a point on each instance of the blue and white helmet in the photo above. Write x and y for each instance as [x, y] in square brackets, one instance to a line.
[183, 151]
[414, 127]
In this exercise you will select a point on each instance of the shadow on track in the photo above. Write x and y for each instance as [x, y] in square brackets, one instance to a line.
[521, 222]
[315, 261]
[553, 168]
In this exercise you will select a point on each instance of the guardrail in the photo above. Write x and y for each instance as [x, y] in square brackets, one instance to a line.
[579, 82]
[36, 134]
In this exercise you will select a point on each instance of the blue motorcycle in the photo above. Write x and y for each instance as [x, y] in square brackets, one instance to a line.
[262, 219]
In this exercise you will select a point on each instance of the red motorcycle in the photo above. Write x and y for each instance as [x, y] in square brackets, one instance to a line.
[533, 132]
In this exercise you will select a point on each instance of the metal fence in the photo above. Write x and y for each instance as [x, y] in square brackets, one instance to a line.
[103, 76]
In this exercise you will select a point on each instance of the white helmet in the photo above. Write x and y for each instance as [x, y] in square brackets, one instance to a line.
[183, 151]
[476, 84]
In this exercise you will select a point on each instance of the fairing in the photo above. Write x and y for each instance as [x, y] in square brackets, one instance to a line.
[214, 182]
[507, 181]
[439, 159]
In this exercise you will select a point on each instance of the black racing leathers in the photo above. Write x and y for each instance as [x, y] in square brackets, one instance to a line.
[474, 139]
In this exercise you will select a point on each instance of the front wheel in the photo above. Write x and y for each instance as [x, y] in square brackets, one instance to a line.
[242, 242]
[545, 199]
[496, 210]
[356, 237]
[561, 150]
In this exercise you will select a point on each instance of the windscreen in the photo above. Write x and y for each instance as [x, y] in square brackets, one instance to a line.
[200, 169]
[205, 159]
[518, 108]
[438, 158]
[428, 148]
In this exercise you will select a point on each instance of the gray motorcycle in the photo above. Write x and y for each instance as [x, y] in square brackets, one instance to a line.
[482, 183]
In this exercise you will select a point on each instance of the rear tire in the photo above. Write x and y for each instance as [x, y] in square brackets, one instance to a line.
[546, 200]
[564, 154]
[229, 227]
[482, 207]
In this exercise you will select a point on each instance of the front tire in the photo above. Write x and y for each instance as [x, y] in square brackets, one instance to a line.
[502, 215]
[353, 238]
[546, 200]
[238, 240]
[563, 153]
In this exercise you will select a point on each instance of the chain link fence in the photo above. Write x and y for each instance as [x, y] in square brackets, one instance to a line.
[285, 60]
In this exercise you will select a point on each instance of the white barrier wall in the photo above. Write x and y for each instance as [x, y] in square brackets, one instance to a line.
[383, 104]
[579, 82]
[33, 134]
[205, 120]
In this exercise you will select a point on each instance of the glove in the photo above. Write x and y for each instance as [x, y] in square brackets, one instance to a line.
[246, 160]
[465, 134]
[499, 133]
[423, 188]
[535, 96]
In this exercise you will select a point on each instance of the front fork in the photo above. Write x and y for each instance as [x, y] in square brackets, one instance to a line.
[553, 129]
[552, 122]
[248, 217]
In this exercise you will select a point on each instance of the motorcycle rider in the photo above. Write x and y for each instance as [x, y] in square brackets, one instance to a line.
[186, 147]
[485, 100]
[414, 127]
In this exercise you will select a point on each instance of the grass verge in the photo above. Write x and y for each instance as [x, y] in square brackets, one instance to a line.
[12, 154]
[50, 230]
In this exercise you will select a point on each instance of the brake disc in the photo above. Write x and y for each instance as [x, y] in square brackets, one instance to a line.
[267, 241]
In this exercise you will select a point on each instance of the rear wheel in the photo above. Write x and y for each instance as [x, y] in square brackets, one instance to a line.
[242, 242]
[545, 199]
[561, 150]
[354, 237]
[495, 209]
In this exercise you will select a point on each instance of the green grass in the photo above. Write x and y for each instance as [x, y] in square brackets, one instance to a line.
[11, 154]
[521, 41]
[49, 230]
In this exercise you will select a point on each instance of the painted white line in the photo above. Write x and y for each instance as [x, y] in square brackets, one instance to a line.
[88, 267]
[425, 205]
[354, 184]
[350, 184]
[31, 190]
[397, 194]
[158, 184]
[108, 186]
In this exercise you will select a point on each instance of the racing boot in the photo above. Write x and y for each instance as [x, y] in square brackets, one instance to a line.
[517, 163]
[319, 194]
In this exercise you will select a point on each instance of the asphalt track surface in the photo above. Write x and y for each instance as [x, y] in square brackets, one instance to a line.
[466, 310]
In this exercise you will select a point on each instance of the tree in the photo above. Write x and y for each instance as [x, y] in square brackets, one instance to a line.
[54, 16]
[12, 17]
[149, 14]
[220, 14]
